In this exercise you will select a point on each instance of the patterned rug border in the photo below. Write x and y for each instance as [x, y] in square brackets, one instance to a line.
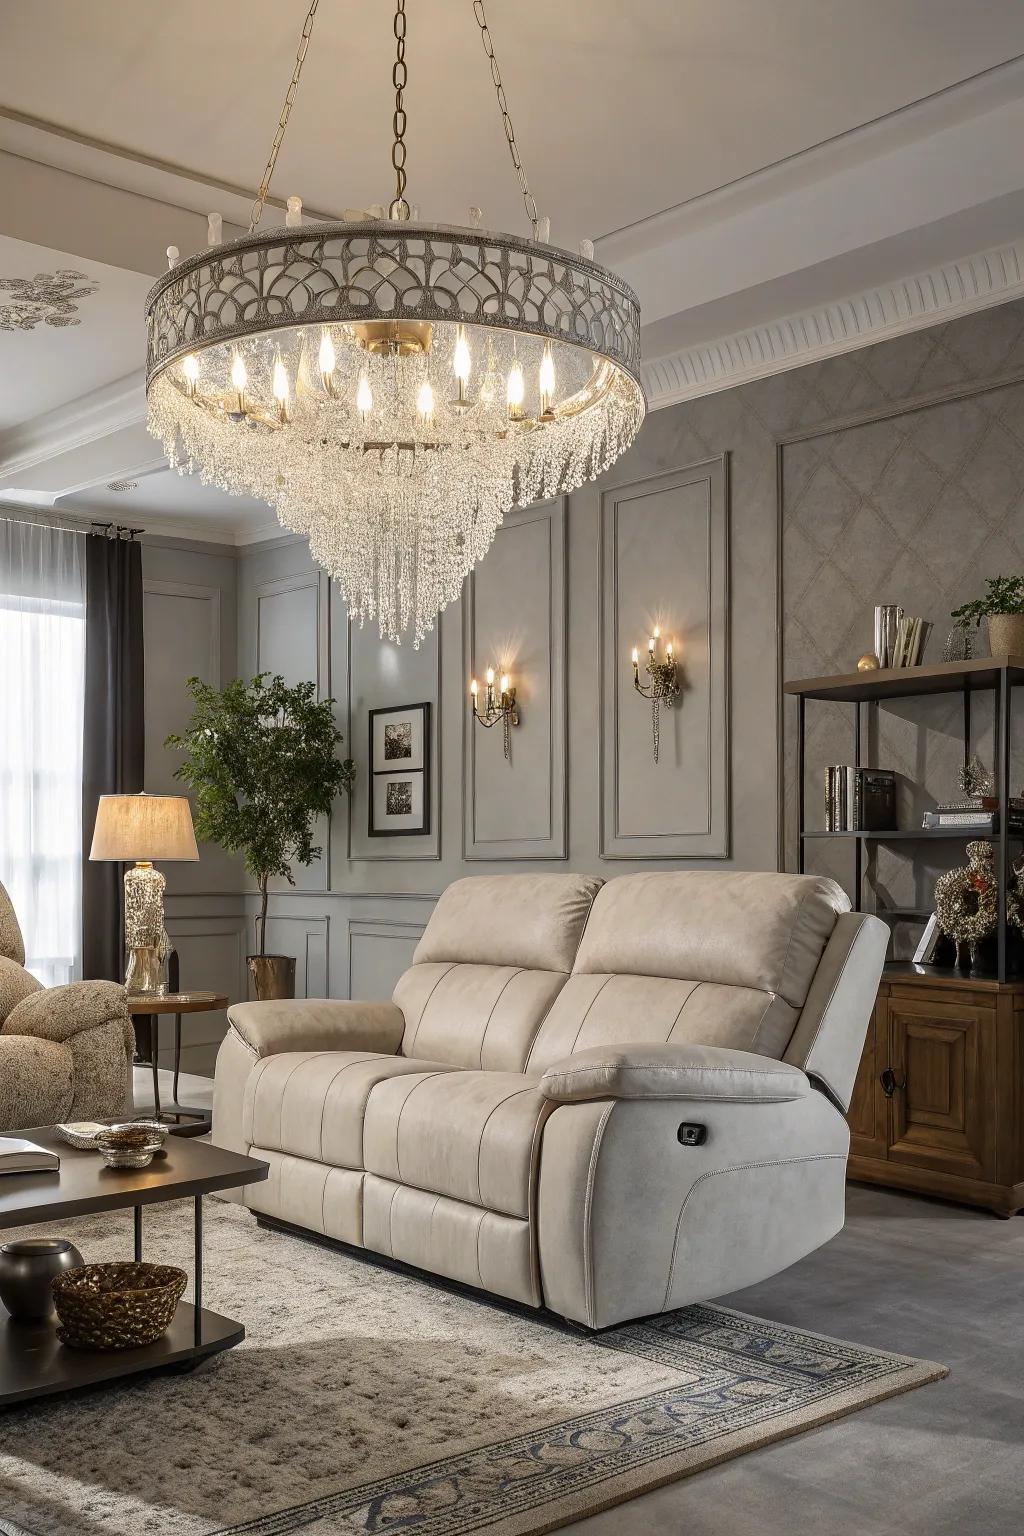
[904, 1373]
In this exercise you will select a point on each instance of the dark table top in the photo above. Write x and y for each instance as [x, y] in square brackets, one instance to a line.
[84, 1183]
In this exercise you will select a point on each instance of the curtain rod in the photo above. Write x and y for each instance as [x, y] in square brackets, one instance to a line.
[34, 519]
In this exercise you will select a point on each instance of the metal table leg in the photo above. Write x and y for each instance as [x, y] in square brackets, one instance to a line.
[198, 1271]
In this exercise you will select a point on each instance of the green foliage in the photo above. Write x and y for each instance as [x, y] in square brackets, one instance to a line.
[1005, 595]
[262, 765]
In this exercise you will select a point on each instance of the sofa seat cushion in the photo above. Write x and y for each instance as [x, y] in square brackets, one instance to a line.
[472, 1136]
[311, 1103]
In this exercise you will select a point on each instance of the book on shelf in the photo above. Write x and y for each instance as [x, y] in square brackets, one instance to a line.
[911, 638]
[859, 799]
[19, 1156]
[924, 954]
[981, 803]
[970, 821]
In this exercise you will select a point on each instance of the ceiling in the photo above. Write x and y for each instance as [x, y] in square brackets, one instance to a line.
[620, 110]
[735, 160]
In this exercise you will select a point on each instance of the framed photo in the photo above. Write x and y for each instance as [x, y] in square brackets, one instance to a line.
[399, 804]
[399, 738]
[399, 792]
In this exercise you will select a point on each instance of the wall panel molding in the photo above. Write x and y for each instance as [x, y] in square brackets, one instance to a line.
[379, 950]
[317, 583]
[518, 597]
[664, 559]
[190, 592]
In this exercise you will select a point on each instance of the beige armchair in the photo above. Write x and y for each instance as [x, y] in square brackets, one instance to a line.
[65, 1052]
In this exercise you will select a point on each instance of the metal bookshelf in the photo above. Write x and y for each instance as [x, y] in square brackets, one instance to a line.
[998, 675]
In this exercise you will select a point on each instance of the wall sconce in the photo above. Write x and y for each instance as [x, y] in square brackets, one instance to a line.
[664, 685]
[501, 706]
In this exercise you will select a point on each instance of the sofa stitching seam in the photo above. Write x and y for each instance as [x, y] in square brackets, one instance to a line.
[789, 946]
[713, 1173]
[828, 1004]
[284, 1091]
[426, 1004]
[487, 1119]
[518, 971]
[588, 1198]
[586, 1015]
[479, 1233]
[398, 1122]
[323, 1106]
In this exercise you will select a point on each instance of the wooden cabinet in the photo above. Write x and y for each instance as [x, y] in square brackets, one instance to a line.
[939, 1101]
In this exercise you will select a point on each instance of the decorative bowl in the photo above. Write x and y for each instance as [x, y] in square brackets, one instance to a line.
[117, 1306]
[131, 1145]
[27, 1267]
[82, 1133]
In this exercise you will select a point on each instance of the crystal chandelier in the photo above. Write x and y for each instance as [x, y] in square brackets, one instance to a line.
[390, 387]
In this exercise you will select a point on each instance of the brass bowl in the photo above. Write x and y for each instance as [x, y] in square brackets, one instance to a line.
[117, 1306]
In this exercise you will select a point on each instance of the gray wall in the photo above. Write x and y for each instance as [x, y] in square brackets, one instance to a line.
[735, 518]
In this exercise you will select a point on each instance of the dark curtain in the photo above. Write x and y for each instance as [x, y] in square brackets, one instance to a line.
[113, 744]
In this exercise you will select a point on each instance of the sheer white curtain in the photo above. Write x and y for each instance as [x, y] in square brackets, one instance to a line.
[42, 680]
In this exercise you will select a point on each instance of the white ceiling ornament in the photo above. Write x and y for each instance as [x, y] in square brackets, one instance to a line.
[49, 298]
[392, 387]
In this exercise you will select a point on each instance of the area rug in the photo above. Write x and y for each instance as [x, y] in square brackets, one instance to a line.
[365, 1400]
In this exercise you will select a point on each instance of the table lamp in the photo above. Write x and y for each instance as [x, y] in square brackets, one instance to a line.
[144, 828]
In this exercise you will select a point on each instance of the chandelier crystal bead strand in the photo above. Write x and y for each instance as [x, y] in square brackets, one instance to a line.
[391, 388]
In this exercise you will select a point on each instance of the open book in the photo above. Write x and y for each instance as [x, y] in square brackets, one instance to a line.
[17, 1156]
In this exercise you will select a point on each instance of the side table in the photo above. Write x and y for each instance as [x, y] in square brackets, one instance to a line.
[150, 1009]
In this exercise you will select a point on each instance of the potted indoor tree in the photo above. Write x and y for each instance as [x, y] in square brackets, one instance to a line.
[262, 765]
[1003, 607]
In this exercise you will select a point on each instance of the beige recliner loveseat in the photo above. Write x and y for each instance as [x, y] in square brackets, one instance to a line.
[606, 1100]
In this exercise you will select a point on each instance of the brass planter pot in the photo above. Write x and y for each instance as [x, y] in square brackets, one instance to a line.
[273, 976]
[1006, 634]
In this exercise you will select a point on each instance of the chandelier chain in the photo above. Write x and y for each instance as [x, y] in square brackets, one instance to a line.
[485, 36]
[399, 76]
[256, 211]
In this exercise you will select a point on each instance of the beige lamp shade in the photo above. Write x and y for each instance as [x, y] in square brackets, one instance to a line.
[157, 828]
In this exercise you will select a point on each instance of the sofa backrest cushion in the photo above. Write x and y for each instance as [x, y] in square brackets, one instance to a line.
[496, 952]
[710, 957]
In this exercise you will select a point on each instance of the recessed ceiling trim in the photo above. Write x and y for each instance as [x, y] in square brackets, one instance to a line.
[876, 314]
[82, 421]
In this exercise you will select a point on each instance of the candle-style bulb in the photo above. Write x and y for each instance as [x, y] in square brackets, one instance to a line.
[636, 656]
[547, 378]
[668, 650]
[190, 368]
[280, 387]
[516, 389]
[652, 642]
[462, 362]
[327, 361]
[425, 399]
[364, 397]
[473, 688]
[490, 677]
[657, 632]
[504, 682]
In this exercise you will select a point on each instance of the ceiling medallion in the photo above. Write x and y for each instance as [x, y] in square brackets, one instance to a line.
[49, 298]
[392, 387]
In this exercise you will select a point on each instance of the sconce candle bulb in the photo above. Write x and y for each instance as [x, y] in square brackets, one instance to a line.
[496, 707]
[664, 686]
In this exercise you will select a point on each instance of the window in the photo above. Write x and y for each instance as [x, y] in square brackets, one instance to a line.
[42, 679]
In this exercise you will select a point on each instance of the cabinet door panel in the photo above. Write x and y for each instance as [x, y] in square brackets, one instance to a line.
[867, 1113]
[941, 1056]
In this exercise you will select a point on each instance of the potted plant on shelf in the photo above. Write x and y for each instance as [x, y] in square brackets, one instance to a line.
[1003, 607]
[262, 765]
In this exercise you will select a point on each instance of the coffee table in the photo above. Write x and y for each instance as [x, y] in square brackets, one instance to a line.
[33, 1361]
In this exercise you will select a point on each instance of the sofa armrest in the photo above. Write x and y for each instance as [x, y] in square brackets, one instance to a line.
[702, 1072]
[318, 1024]
[58, 1013]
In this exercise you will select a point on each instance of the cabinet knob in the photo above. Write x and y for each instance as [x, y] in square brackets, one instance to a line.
[891, 1083]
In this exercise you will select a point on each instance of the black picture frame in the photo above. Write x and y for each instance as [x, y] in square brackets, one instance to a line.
[376, 775]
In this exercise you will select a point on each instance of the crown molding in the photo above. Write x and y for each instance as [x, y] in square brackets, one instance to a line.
[939, 294]
[80, 422]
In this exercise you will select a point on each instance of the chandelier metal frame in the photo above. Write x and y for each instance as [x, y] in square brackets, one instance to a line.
[384, 269]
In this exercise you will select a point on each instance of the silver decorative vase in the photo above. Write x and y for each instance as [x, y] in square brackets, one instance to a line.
[887, 622]
[28, 1268]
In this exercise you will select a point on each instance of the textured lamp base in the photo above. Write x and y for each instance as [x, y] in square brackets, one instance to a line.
[146, 942]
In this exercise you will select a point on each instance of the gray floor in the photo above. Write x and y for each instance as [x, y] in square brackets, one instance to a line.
[907, 1274]
[912, 1275]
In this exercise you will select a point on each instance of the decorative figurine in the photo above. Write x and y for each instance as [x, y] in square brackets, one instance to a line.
[868, 662]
